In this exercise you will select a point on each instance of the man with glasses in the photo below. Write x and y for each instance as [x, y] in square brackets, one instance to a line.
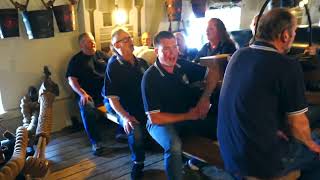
[123, 90]
[85, 75]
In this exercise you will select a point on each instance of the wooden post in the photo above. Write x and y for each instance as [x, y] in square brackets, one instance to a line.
[138, 4]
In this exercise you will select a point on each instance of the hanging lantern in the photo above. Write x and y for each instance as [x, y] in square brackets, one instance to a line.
[199, 7]
[174, 8]
[9, 23]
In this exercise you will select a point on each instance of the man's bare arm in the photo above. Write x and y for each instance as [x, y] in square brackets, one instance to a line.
[84, 97]
[167, 118]
[300, 129]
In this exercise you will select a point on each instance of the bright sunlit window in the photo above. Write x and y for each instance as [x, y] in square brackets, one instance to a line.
[2, 111]
[197, 26]
[120, 16]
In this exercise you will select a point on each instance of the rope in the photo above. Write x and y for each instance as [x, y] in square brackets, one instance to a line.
[14, 166]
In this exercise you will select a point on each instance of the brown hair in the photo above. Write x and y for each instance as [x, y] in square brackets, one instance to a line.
[222, 30]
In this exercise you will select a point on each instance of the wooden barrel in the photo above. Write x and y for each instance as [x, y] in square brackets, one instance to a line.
[38, 24]
[9, 23]
[174, 8]
[65, 17]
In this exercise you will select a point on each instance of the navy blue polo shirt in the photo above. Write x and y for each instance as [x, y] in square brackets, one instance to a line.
[222, 48]
[89, 70]
[123, 81]
[189, 54]
[260, 88]
[172, 93]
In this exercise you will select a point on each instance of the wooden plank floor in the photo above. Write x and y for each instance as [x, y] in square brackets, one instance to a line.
[70, 157]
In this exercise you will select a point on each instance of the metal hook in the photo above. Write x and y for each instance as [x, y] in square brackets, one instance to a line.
[49, 4]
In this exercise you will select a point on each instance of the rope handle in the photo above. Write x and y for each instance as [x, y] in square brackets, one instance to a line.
[19, 6]
[49, 4]
[73, 2]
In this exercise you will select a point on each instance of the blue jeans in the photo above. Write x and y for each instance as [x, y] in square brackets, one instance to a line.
[90, 116]
[136, 142]
[300, 157]
[135, 138]
[168, 136]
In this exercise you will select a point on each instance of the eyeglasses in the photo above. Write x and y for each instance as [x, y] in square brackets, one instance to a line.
[125, 40]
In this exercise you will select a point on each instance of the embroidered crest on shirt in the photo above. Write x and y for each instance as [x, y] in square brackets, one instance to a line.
[142, 70]
[101, 61]
[185, 79]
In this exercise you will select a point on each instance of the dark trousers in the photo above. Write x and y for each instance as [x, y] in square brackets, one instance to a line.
[90, 117]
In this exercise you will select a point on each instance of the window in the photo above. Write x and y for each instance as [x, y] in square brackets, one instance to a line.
[230, 16]
[196, 30]
[2, 111]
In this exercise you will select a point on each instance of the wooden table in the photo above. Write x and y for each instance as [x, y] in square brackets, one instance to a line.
[313, 97]
[219, 61]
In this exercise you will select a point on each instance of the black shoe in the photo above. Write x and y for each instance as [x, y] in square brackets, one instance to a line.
[97, 149]
[136, 171]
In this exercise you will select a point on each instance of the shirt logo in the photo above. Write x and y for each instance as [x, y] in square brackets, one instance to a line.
[185, 79]
[101, 61]
[142, 70]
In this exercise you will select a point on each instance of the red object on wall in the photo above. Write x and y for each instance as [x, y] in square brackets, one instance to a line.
[9, 23]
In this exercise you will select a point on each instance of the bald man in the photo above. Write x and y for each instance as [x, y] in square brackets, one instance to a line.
[85, 75]
[184, 52]
[123, 89]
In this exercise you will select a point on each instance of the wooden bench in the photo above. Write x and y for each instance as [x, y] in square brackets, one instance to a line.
[202, 149]
[206, 151]
[293, 175]
[196, 147]
[109, 116]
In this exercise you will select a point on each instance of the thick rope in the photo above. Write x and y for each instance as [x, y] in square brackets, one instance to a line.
[45, 116]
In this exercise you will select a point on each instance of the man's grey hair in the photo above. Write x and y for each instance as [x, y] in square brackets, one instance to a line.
[274, 23]
[115, 33]
[83, 35]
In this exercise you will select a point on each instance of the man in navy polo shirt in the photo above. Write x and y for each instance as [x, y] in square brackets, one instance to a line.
[123, 90]
[172, 100]
[262, 127]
